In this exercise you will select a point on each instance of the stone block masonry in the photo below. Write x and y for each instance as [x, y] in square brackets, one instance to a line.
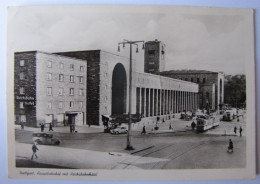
[93, 81]
[25, 88]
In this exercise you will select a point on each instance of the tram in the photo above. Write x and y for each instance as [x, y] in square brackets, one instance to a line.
[205, 123]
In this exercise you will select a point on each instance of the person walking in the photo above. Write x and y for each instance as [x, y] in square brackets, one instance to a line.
[42, 127]
[34, 149]
[22, 125]
[170, 127]
[230, 146]
[50, 127]
[71, 129]
[143, 131]
[240, 131]
[235, 130]
[193, 125]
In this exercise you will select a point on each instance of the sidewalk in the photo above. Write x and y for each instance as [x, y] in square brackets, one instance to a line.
[82, 159]
[66, 129]
[177, 125]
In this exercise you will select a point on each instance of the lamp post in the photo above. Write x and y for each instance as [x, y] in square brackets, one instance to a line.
[129, 133]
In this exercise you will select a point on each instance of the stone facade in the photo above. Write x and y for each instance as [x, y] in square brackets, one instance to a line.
[93, 81]
[25, 88]
[156, 95]
[58, 85]
[100, 68]
[106, 85]
[105, 71]
[203, 78]
[154, 57]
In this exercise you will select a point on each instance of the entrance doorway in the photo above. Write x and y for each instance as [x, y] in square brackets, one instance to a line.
[119, 87]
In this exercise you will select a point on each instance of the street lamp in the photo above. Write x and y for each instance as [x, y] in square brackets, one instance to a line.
[129, 133]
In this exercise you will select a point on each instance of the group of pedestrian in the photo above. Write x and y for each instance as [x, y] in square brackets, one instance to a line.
[42, 125]
[240, 130]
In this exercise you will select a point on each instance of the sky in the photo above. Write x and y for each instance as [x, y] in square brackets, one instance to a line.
[214, 39]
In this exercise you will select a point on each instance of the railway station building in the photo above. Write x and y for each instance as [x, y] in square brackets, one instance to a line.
[211, 84]
[152, 95]
[82, 86]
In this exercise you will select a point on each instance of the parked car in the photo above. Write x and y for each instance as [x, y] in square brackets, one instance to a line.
[119, 130]
[45, 138]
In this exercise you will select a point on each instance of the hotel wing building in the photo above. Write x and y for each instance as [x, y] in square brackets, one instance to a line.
[49, 89]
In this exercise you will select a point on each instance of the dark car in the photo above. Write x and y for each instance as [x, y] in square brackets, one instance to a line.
[45, 138]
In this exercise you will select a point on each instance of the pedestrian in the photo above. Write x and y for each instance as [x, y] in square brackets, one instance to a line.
[240, 131]
[50, 127]
[143, 131]
[22, 125]
[170, 127]
[193, 125]
[71, 128]
[42, 127]
[230, 146]
[34, 149]
[235, 130]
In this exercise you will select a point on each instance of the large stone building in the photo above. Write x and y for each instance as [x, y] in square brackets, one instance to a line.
[104, 90]
[108, 89]
[49, 88]
[211, 84]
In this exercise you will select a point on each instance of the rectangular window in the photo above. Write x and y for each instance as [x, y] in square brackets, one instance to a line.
[151, 52]
[80, 104]
[61, 77]
[198, 80]
[61, 65]
[23, 118]
[71, 91]
[151, 62]
[186, 79]
[21, 105]
[71, 67]
[71, 78]
[81, 92]
[81, 79]
[49, 64]
[81, 68]
[49, 91]
[204, 80]
[49, 75]
[22, 76]
[22, 90]
[61, 91]
[21, 62]
[71, 104]
[49, 105]
[60, 105]
[151, 70]
[191, 79]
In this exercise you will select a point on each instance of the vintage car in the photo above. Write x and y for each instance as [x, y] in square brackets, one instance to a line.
[119, 130]
[45, 138]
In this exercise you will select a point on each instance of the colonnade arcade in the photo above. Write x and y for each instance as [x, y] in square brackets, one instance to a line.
[156, 102]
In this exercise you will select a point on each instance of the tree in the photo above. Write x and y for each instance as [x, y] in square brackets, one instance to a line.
[235, 90]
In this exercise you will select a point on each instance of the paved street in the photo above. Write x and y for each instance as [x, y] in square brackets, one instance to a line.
[180, 148]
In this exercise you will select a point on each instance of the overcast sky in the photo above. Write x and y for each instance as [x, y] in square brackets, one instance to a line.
[196, 38]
